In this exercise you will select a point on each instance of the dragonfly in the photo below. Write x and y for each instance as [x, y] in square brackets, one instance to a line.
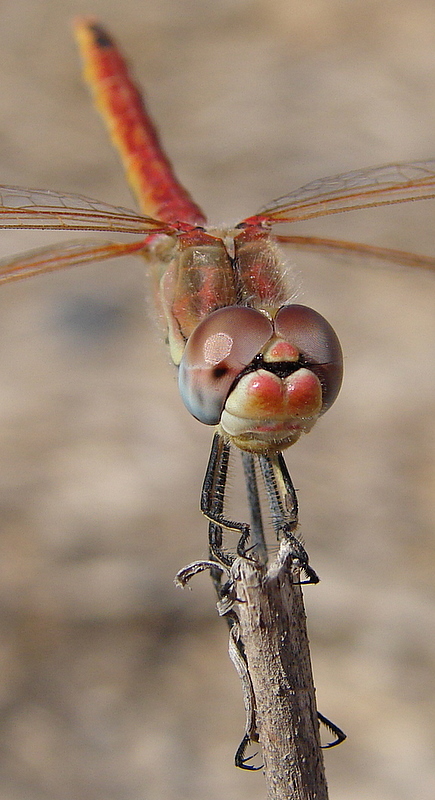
[256, 367]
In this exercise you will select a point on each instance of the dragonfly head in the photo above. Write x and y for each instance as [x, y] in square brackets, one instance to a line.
[265, 379]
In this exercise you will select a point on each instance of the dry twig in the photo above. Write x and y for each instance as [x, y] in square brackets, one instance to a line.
[269, 646]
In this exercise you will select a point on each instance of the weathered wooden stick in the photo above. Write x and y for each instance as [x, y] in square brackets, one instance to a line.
[272, 629]
[269, 648]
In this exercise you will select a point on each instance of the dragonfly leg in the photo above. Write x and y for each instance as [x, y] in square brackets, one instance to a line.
[212, 502]
[258, 542]
[237, 655]
[240, 759]
[283, 505]
[340, 736]
[235, 648]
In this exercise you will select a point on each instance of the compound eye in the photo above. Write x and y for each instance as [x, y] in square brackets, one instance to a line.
[219, 348]
[317, 343]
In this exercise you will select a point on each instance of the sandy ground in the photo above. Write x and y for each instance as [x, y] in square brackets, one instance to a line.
[113, 684]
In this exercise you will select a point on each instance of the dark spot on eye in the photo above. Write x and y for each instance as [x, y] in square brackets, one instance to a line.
[219, 372]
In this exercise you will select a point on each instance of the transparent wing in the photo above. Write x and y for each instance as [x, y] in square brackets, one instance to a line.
[67, 254]
[375, 186]
[35, 208]
[367, 252]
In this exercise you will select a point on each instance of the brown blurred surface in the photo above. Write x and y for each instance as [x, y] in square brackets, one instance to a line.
[113, 684]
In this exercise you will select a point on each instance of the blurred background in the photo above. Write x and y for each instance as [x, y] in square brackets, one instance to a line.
[113, 683]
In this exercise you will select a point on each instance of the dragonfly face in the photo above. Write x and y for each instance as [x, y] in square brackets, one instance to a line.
[265, 376]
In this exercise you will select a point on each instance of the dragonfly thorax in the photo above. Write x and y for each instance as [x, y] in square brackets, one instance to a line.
[204, 270]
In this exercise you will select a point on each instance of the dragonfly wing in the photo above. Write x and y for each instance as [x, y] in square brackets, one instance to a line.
[67, 254]
[35, 208]
[375, 186]
[370, 253]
